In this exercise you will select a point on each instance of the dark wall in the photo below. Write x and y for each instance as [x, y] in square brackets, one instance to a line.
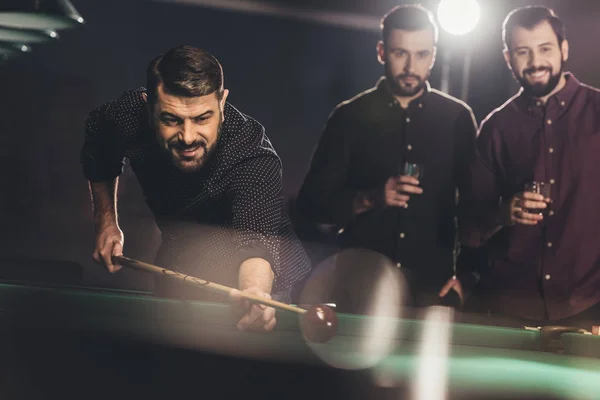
[286, 73]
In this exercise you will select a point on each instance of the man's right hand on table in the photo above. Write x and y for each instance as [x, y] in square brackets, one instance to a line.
[109, 242]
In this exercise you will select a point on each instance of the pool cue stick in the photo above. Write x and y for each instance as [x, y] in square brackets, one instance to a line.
[202, 283]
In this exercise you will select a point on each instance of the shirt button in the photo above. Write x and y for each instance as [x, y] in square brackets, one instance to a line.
[420, 105]
[550, 213]
[549, 122]
[539, 103]
[549, 244]
[562, 103]
[552, 181]
[407, 120]
[402, 235]
[550, 150]
[547, 277]
[409, 147]
[399, 265]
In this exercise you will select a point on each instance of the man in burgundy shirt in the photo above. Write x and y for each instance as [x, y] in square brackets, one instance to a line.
[542, 268]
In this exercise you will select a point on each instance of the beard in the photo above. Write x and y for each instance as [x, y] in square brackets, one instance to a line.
[192, 164]
[398, 88]
[540, 89]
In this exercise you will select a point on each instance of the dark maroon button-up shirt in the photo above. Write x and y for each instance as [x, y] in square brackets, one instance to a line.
[551, 270]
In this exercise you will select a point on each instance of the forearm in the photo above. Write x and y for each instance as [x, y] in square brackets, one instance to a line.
[104, 202]
[256, 272]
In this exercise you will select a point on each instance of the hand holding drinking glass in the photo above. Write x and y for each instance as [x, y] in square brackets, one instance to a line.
[530, 206]
[398, 190]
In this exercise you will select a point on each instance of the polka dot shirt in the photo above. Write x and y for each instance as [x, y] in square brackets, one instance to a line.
[211, 220]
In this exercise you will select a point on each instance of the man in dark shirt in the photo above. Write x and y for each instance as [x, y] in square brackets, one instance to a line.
[210, 177]
[356, 179]
[541, 267]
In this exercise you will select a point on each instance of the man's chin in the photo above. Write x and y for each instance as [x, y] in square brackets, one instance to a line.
[538, 90]
[407, 91]
[188, 166]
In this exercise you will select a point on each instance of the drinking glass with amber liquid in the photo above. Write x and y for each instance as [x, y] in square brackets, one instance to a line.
[542, 188]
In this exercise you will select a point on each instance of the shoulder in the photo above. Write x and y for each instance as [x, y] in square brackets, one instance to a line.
[499, 118]
[591, 93]
[127, 111]
[355, 105]
[361, 99]
[448, 104]
[245, 142]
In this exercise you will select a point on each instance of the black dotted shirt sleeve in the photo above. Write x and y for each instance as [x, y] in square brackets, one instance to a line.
[257, 205]
[102, 154]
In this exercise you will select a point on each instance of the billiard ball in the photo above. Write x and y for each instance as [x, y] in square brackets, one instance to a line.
[318, 324]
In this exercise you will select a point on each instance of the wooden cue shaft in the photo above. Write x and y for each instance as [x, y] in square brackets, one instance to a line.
[202, 283]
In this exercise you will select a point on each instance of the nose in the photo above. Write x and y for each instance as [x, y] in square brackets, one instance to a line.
[408, 64]
[534, 59]
[188, 133]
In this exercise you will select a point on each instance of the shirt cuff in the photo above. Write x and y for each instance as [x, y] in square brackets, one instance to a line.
[255, 250]
[94, 172]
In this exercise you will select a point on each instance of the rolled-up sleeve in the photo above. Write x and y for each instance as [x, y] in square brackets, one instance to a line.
[257, 207]
[102, 153]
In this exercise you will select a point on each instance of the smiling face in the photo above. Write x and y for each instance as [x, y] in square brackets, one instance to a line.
[188, 128]
[537, 59]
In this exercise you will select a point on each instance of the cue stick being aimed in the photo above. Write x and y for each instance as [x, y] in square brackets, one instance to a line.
[202, 283]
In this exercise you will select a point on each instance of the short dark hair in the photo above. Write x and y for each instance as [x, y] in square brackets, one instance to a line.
[185, 71]
[408, 17]
[529, 17]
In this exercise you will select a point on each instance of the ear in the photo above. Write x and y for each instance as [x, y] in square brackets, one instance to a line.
[381, 52]
[148, 109]
[222, 103]
[564, 47]
[506, 54]
[434, 57]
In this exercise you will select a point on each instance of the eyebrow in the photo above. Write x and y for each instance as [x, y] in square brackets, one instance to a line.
[403, 49]
[539, 45]
[164, 114]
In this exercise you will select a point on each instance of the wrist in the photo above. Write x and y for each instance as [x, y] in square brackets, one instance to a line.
[256, 273]
[363, 201]
[106, 224]
[504, 216]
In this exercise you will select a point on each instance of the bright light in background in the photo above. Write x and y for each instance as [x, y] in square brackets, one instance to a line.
[458, 17]
[431, 378]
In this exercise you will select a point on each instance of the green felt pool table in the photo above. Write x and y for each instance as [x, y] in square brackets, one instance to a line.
[88, 343]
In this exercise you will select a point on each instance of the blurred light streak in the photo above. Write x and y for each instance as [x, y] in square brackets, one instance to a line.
[340, 19]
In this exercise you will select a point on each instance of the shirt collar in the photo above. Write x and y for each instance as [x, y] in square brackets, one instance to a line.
[384, 91]
[563, 97]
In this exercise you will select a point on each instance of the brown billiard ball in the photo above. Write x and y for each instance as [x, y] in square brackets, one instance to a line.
[318, 324]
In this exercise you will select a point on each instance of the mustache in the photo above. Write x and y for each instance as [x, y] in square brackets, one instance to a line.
[179, 145]
[404, 76]
[533, 70]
